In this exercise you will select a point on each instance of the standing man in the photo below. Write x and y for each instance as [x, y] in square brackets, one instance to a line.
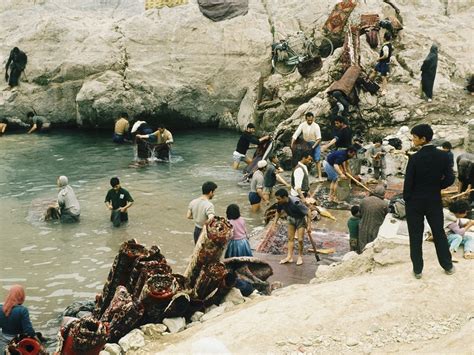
[256, 186]
[300, 177]
[38, 123]
[428, 172]
[373, 210]
[121, 129]
[342, 135]
[243, 145]
[336, 166]
[16, 63]
[271, 176]
[312, 135]
[299, 218]
[383, 63]
[201, 209]
[118, 200]
[428, 72]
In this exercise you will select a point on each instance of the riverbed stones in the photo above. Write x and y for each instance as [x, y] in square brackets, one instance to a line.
[153, 330]
[133, 340]
[214, 313]
[175, 324]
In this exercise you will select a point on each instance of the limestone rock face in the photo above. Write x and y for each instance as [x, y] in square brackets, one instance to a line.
[89, 60]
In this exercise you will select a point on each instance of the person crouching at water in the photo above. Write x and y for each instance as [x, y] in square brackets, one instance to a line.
[238, 243]
[256, 186]
[163, 140]
[38, 123]
[67, 209]
[14, 317]
[118, 200]
[122, 126]
[299, 218]
[336, 167]
[201, 209]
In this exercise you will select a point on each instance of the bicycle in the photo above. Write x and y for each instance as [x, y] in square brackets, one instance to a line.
[296, 49]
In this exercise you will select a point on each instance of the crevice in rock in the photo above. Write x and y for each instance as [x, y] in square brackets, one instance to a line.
[269, 18]
[123, 64]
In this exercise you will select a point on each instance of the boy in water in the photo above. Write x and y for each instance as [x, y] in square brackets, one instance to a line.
[118, 200]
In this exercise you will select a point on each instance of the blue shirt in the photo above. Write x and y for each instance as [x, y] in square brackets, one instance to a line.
[294, 208]
[338, 157]
[18, 322]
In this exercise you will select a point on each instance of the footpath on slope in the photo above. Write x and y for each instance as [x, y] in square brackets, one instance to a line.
[381, 309]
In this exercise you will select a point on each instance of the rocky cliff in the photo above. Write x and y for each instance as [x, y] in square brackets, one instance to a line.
[90, 60]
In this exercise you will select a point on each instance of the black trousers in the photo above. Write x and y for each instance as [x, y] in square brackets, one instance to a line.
[416, 211]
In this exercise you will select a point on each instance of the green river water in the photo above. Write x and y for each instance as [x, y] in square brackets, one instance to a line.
[59, 264]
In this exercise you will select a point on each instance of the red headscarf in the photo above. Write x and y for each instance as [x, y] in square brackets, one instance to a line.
[15, 296]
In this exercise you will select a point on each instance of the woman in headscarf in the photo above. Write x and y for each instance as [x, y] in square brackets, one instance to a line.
[14, 317]
[428, 72]
[68, 209]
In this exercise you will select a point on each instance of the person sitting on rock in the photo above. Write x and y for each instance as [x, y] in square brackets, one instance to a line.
[122, 126]
[458, 229]
[299, 218]
[373, 210]
[336, 166]
[383, 63]
[243, 145]
[16, 63]
[38, 123]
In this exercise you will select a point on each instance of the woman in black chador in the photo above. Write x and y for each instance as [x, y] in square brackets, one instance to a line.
[428, 72]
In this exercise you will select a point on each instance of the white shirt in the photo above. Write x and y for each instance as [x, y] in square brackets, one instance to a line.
[311, 133]
[299, 174]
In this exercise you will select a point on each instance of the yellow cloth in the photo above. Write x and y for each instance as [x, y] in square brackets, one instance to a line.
[165, 137]
[121, 126]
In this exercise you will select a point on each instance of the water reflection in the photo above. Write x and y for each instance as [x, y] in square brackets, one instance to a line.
[62, 263]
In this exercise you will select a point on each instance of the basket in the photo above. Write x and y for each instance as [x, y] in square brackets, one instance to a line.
[157, 4]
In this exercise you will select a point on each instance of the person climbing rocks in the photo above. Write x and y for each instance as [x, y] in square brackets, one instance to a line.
[118, 200]
[201, 209]
[336, 165]
[67, 208]
[121, 129]
[428, 73]
[16, 63]
[312, 135]
[243, 145]
[299, 219]
[383, 63]
[38, 123]
[256, 194]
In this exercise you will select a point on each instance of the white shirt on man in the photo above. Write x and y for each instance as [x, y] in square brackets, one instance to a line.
[299, 174]
[311, 133]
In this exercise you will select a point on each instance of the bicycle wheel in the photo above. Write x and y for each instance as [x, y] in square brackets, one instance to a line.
[282, 67]
[324, 47]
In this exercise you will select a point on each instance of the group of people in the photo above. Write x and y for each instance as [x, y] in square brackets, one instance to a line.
[68, 210]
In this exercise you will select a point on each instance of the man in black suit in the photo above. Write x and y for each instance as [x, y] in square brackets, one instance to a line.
[428, 172]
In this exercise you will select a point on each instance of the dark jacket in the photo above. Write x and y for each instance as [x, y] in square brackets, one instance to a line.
[428, 172]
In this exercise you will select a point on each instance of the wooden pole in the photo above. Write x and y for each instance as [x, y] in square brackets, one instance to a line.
[314, 245]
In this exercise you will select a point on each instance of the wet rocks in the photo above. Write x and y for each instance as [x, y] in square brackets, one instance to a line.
[153, 330]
